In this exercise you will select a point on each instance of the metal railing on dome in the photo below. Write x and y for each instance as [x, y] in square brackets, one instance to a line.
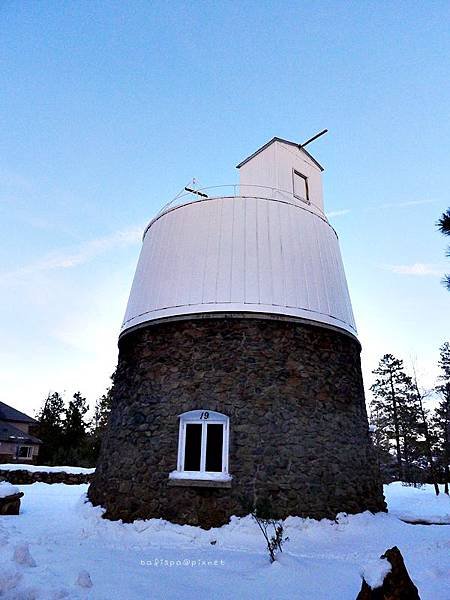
[192, 194]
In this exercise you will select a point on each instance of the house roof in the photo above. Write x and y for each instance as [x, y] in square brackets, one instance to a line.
[8, 413]
[277, 139]
[9, 433]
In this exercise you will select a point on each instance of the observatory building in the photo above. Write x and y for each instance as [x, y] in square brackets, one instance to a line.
[239, 381]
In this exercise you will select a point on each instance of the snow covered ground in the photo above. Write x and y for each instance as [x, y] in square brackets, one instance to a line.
[417, 504]
[6, 489]
[59, 547]
[45, 469]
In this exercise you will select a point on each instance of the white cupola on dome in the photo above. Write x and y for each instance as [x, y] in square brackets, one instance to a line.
[266, 249]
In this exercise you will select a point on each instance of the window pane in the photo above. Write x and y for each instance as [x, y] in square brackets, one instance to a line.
[300, 189]
[193, 447]
[214, 442]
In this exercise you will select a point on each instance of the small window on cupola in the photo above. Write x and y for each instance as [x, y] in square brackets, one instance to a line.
[202, 447]
[300, 186]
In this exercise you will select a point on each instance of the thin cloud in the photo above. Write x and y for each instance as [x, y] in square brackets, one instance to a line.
[11, 179]
[338, 213]
[402, 204]
[84, 253]
[417, 269]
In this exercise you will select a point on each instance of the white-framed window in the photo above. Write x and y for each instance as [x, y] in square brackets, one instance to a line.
[25, 452]
[300, 186]
[202, 446]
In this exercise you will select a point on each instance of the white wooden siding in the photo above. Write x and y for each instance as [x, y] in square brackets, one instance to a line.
[240, 254]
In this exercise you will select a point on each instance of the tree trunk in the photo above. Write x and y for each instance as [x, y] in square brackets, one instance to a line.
[446, 452]
[397, 430]
[426, 433]
[407, 475]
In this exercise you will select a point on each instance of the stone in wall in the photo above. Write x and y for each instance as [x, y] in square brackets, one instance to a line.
[23, 477]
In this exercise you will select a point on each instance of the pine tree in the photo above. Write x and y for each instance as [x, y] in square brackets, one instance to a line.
[418, 397]
[444, 362]
[441, 419]
[442, 428]
[74, 438]
[381, 440]
[99, 422]
[410, 436]
[444, 227]
[101, 415]
[74, 423]
[102, 410]
[393, 406]
[50, 428]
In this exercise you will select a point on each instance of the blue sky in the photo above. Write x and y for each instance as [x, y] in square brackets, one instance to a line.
[109, 108]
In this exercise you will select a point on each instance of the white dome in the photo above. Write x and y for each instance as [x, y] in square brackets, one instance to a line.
[242, 254]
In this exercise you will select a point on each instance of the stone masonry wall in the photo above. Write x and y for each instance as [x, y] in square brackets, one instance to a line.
[298, 426]
[22, 476]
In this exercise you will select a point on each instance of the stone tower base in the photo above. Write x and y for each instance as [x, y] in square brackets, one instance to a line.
[299, 438]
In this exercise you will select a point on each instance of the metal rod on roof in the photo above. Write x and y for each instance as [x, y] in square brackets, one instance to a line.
[196, 192]
[313, 138]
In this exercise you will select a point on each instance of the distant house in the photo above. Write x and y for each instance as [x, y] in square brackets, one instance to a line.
[16, 442]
